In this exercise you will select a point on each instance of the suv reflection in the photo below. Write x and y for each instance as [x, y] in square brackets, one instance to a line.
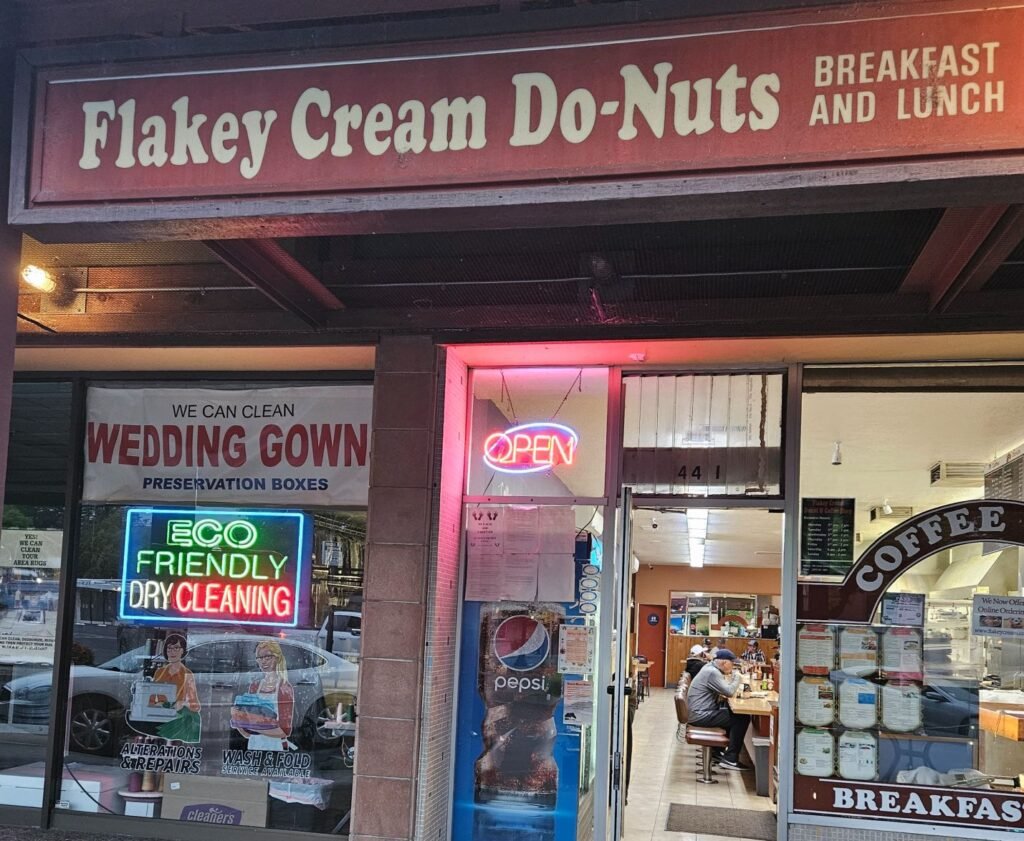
[224, 667]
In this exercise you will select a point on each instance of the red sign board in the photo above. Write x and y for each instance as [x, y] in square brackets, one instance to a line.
[976, 808]
[853, 83]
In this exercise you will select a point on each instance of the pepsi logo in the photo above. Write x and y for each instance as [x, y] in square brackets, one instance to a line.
[521, 643]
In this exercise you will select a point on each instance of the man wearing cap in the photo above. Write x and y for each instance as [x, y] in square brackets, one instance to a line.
[753, 654]
[713, 684]
[696, 661]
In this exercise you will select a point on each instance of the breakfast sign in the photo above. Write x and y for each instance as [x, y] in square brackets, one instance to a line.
[821, 86]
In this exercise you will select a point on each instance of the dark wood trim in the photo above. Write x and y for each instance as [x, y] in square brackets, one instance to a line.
[980, 312]
[967, 377]
[963, 181]
[959, 233]
[118, 45]
[21, 134]
[266, 265]
[1002, 241]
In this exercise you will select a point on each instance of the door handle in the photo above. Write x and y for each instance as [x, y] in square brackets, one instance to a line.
[223, 686]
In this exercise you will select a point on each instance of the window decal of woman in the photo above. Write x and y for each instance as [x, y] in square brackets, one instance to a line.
[186, 726]
[264, 714]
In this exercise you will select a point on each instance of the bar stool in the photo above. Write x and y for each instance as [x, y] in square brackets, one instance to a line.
[705, 738]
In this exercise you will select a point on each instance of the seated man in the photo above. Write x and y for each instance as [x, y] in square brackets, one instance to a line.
[715, 682]
[696, 661]
[753, 654]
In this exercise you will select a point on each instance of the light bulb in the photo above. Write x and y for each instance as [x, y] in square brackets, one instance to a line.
[38, 278]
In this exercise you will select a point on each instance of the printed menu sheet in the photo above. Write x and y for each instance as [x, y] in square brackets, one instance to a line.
[901, 653]
[815, 753]
[901, 706]
[521, 553]
[576, 649]
[815, 701]
[815, 649]
[858, 703]
[858, 755]
[858, 650]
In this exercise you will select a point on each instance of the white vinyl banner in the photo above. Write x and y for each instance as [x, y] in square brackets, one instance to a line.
[305, 445]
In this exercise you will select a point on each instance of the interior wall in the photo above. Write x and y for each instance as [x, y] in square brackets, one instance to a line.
[654, 583]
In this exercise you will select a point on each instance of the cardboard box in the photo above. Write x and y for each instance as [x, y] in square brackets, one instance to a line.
[94, 789]
[225, 801]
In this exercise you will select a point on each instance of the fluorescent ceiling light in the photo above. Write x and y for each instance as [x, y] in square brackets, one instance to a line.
[697, 534]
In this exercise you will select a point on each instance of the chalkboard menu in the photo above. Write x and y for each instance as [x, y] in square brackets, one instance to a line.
[1006, 481]
[826, 536]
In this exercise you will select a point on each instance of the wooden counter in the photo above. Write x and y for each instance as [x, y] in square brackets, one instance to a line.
[679, 646]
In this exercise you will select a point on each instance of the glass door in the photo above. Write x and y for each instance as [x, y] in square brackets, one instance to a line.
[621, 688]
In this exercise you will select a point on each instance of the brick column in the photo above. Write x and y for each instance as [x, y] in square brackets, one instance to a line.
[405, 400]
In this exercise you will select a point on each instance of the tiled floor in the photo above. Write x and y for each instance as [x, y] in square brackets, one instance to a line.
[665, 772]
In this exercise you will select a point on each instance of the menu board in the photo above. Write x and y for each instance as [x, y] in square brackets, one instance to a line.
[815, 649]
[815, 753]
[826, 536]
[815, 701]
[858, 755]
[901, 706]
[1006, 481]
[858, 650]
[901, 653]
[858, 703]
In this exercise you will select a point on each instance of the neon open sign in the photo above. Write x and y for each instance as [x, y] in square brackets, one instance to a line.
[216, 566]
[531, 447]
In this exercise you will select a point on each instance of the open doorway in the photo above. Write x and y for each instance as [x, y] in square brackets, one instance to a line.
[715, 574]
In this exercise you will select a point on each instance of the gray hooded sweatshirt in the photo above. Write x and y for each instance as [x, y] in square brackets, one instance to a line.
[706, 690]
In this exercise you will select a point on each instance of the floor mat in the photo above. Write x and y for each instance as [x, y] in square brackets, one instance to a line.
[712, 820]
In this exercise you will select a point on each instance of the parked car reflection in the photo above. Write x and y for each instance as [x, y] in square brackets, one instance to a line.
[223, 666]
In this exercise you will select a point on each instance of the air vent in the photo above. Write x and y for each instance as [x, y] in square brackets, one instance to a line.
[896, 512]
[958, 474]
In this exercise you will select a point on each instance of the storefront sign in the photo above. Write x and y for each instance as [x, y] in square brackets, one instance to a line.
[951, 806]
[769, 91]
[531, 448]
[224, 567]
[856, 598]
[293, 446]
[997, 616]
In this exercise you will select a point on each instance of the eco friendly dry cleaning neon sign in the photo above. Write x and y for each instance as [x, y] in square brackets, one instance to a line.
[217, 566]
[531, 447]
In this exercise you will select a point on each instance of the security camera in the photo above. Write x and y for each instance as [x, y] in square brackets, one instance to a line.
[654, 524]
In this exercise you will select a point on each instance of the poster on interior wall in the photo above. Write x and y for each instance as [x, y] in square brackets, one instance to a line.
[29, 571]
[997, 616]
[826, 536]
[306, 445]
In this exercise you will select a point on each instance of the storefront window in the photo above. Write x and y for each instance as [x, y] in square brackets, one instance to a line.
[538, 432]
[217, 636]
[31, 543]
[910, 637]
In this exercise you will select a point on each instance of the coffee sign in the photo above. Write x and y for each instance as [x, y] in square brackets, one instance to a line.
[920, 537]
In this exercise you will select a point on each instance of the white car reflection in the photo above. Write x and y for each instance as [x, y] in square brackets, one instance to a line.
[223, 666]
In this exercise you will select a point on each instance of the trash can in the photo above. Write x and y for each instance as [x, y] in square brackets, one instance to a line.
[762, 745]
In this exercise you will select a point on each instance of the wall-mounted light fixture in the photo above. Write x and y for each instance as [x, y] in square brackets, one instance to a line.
[39, 279]
[837, 453]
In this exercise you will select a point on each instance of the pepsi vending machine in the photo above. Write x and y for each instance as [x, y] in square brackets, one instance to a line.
[517, 764]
